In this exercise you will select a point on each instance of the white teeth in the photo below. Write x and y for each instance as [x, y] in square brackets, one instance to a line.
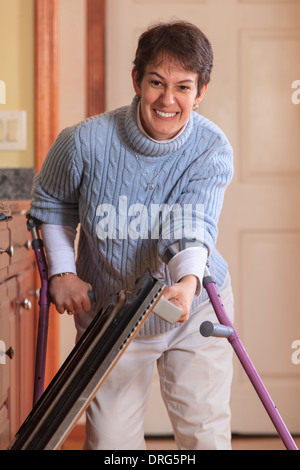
[166, 115]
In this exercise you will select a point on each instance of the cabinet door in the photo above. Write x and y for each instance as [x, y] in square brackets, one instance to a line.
[4, 245]
[4, 342]
[14, 408]
[20, 241]
[4, 427]
[26, 329]
[9, 365]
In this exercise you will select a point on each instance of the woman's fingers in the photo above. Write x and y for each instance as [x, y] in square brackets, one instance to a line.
[69, 293]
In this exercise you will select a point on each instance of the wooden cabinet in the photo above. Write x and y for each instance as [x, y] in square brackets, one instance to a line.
[17, 321]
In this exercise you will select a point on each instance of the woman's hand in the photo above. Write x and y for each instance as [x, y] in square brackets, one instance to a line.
[69, 293]
[182, 295]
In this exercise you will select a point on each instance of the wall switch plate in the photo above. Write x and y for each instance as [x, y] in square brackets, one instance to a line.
[13, 130]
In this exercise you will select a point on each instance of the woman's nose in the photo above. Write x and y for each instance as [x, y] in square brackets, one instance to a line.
[167, 98]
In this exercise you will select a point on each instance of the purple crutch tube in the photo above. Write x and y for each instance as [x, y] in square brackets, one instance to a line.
[44, 303]
[227, 330]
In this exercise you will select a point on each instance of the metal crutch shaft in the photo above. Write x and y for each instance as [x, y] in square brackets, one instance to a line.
[248, 366]
[44, 304]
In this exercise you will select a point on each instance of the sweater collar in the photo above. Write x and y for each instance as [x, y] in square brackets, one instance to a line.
[141, 143]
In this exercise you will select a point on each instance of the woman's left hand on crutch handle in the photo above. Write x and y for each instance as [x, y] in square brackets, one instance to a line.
[69, 293]
[182, 294]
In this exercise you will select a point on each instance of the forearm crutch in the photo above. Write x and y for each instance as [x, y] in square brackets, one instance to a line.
[33, 225]
[226, 329]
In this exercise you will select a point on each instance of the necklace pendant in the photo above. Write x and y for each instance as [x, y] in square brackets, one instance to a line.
[151, 186]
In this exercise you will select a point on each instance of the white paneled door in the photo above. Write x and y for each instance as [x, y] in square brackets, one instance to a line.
[257, 63]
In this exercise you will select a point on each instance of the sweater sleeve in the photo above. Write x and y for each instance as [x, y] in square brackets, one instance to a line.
[56, 187]
[199, 194]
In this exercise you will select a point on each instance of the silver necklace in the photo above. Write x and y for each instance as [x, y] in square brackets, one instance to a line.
[151, 181]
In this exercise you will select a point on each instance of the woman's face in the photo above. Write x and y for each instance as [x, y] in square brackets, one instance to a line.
[168, 93]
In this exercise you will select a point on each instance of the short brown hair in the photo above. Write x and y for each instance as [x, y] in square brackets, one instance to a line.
[183, 42]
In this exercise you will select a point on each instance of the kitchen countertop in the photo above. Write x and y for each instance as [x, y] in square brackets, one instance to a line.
[16, 183]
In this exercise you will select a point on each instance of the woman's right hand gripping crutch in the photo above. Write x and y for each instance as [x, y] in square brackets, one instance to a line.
[69, 293]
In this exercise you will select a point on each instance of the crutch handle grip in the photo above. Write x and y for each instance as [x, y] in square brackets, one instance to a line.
[208, 328]
[92, 294]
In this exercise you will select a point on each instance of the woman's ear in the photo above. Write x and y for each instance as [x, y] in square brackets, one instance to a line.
[201, 96]
[136, 86]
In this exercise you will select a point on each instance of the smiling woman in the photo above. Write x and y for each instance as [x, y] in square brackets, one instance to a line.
[183, 43]
[168, 95]
[170, 80]
[154, 153]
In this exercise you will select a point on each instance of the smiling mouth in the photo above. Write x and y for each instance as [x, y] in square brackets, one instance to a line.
[164, 115]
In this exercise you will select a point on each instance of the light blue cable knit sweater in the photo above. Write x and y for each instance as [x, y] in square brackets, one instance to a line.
[91, 172]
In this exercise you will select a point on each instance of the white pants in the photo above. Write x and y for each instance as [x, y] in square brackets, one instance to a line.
[195, 378]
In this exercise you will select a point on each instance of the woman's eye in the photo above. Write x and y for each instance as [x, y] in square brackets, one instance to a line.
[184, 88]
[156, 83]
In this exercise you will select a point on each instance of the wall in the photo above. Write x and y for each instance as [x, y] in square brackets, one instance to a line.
[17, 71]
[72, 60]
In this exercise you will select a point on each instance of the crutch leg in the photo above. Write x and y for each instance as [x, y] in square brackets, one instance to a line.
[226, 329]
[44, 304]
